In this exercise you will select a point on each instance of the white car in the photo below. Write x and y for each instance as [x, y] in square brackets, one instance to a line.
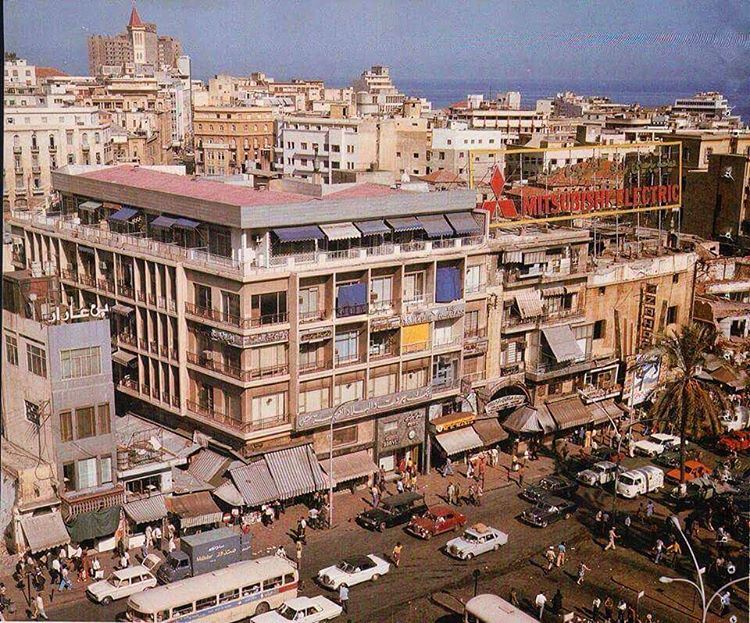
[474, 541]
[354, 570]
[656, 444]
[124, 582]
[301, 610]
[599, 473]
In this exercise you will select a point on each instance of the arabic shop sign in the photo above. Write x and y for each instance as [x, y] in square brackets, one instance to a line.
[72, 312]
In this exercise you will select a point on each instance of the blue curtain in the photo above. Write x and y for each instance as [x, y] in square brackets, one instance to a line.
[448, 284]
[352, 300]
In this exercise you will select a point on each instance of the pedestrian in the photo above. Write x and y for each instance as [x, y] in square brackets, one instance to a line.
[375, 496]
[598, 518]
[65, 584]
[458, 494]
[551, 557]
[396, 554]
[171, 545]
[299, 555]
[675, 550]
[125, 560]
[381, 480]
[96, 569]
[725, 601]
[450, 490]
[38, 610]
[55, 571]
[658, 551]
[171, 530]
[595, 606]
[557, 602]
[144, 551]
[631, 614]
[609, 607]
[479, 493]
[622, 608]
[540, 602]
[650, 510]
[520, 477]
[448, 468]
[525, 458]
[84, 570]
[470, 470]
[149, 532]
[639, 512]
[514, 598]
[582, 569]
[301, 530]
[612, 536]
[400, 485]
[561, 551]
[344, 597]
[627, 523]
[157, 534]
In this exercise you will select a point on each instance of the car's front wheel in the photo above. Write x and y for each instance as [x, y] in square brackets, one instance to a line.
[381, 527]
[469, 556]
[545, 524]
[262, 608]
[106, 601]
[375, 577]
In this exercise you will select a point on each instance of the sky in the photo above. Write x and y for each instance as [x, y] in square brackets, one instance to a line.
[417, 39]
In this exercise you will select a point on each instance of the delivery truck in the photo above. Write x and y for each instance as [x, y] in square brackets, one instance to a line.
[204, 552]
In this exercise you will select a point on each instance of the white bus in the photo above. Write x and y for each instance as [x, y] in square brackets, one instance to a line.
[223, 596]
[493, 609]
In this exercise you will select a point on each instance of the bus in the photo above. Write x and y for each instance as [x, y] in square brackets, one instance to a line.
[493, 609]
[235, 592]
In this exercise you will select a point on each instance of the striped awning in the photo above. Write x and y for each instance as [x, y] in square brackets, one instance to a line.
[255, 484]
[372, 228]
[124, 215]
[528, 419]
[124, 358]
[163, 222]
[123, 310]
[228, 493]
[529, 304]
[512, 257]
[570, 413]
[195, 509]
[148, 509]
[435, 225]
[207, 464]
[299, 234]
[44, 531]
[534, 257]
[459, 441]
[554, 291]
[295, 471]
[341, 231]
[562, 343]
[89, 206]
[464, 223]
[407, 223]
[186, 223]
[349, 467]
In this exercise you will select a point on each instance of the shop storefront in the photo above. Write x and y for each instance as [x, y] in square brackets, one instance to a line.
[400, 439]
[454, 436]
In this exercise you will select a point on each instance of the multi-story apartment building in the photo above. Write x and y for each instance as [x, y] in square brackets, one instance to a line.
[480, 114]
[41, 139]
[375, 94]
[232, 140]
[452, 148]
[139, 44]
[18, 73]
[60, 413]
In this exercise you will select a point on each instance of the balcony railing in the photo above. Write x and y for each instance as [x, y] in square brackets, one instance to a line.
[107, 285]
[214, 416]
[127, 338]
[547, 369]
[235, 372]
[70, 275]
[383, 353]
[86, 280]
[442, 384]
[348, 360]
[383, 307]
[126, 290]
[512, 368]
[129, 384]
[306, 367]
[474, 377]
[312, 316]
[416, 347]
[475, 288]
[475, 333]
[217, 315]
[75, 503]
[351, 310]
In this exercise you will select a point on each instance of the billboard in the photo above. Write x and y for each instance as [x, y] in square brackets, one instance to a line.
[524, 185]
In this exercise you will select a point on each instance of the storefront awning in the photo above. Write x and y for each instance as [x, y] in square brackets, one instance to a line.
[570, 413]
[372, 228]
[208, 466]
[195, 509]
[459, 441]
[529, 304]
[44, 532]
[435, 226]
[527, 419]
[163, 222]
[350, 466]
[513, 257]
[152, 508]
[94, 524]
[123, 310]
[604, 411]
[186, 223]
[89, 206]
[228, 493]
[562, 343]
[490, 431]
[124, 215]
[341, 231]
[124, 358]
[295, 471]
[464, 223]
[534, 257]
[554, 291]
[255, 484]
[407, 223]
[299, 234]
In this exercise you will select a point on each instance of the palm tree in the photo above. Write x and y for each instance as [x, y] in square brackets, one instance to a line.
[695, 404]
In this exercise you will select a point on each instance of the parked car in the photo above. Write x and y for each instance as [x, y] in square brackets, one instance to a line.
[302, 610]
[639, 481]
[736, 441]
[549, 510]
[606, 454]
[693, 470]
[599, 473]
[393, 510]
[557, 485]
[354, 570]
[670, 458]
[436, 520]
[124, 582]
[476, 540]
[656, 444]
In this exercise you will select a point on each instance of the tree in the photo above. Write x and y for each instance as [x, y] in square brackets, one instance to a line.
[696, 405]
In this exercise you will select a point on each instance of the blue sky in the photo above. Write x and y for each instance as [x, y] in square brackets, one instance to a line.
[425, 39]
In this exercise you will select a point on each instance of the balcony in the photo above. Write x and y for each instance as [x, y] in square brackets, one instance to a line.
[542, 371]
[214, 417]
[454, 342]
[383, 351]
[69, 275]
[234, 372]
[130, 384]
[209, 313]
[126, 290]
[592, 393]
[475, 377]
[348, 359]
[444, 384]
[107, 285]
[382, 308]
[312, 316]
[475, 333]
[75, 503]
[308, 367]
[127, 338]
[475, 288]
[86, 280]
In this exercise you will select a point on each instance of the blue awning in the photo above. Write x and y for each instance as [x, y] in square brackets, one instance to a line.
[124, 215]
[186, 223]
[164, 222]
[448, 284]
[372, 228]
[407, 223]
[299, 234]
[464, 223]
[435, 226]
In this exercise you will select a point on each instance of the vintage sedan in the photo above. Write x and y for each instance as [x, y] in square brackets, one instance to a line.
[670, 459]
[656, 444]
[693, 470]
[476, 540]
[549, 510]
[302, 610]
[354, 570]
[736, 441]
[436, 520]
[124, 582]
[557, 485]
[393, 510]
[599, 473]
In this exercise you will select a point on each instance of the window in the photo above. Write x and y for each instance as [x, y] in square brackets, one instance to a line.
[36, 360]
[308, 303]
[202, 296]
[272, 583]
[269, 308]
[230, 305]
[471, 322]
[32, 412]
[66, 426]
[343, 391]
[289, 578]
[268, 357]
[416, 155]
[85, 424]
[251, 590]
[69, 476]
[600, 329]
[414, 287]
[443, 333]
[473, 279]
[345, 436]
[105, 470]
[206, 602]
[181, 610]
[269, 407]
[143, 485]
[382, 384]
[676, 278]
[80, 362]
[314, 399]
[229, 596]
[11, 350]
[381, 289]
[86, 473]
[347, 346]
[103, 422]
[672, 314]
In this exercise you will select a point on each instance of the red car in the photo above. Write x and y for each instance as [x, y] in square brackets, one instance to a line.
[736, 441]
[436, 520]
[693, 470]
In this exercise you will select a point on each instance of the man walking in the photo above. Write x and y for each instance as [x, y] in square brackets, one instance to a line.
[344, 597]
[38, 610]
[658, 551]
[449, 492]
[551, 557]
[540, 602]
[65, 584]
[612, 536]
[375, 496]
[561, 551]
[725, 601]
[582, 569]
[650, 510]
[396, 554]
[595, 606]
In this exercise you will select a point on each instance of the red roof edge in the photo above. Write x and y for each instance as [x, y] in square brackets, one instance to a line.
[135, 19]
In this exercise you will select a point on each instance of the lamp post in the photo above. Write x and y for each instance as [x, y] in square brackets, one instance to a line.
[334, 415]
[699, 586]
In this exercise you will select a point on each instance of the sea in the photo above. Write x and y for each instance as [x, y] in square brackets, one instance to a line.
[444, 92]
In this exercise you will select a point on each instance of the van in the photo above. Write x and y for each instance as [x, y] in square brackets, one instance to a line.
[638, 481]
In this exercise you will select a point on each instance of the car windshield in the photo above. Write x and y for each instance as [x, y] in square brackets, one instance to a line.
[430, 516]
[287, 612]
[471, 537]
[346, 566]
[656, 440]
[627, 480]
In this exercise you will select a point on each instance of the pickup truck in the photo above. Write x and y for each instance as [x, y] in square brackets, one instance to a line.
[599, 473]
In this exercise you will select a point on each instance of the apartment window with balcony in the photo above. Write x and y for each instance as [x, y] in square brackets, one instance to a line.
[206, 397]
[231, 358]
[444, 370]
[347, 390]
[471, 322]
[473, 279]
[269, 308]
[314, 396]
[512, 353]
[346, 436]
[269, 407]
[105, 470]
[443, 333]
[381, 293]
[11, 350]
[414, 378]
[381, 383]
[268, 358]
[36, 360]
[308, 303]
[414, 287]
[347, 346]
[230, 305]
[78, 363]
[202, 296]
[85, 474]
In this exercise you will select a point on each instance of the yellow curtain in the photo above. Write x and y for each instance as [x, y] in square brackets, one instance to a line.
[415, 334]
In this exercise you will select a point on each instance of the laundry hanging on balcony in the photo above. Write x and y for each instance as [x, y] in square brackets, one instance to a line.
[351, 299]
[448, 286]
[416, 334]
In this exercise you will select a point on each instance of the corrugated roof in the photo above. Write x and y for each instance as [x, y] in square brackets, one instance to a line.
[228, 493]
[490, 431]
[195, 509]
[562, 343]
[146, 510]
[207, 464]
[570, 413]
[44, 531]
[295, 471]
[184, 482]
[350, 466]
[527, 419]
[458, 441]
[530, 304]
[255, 484]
